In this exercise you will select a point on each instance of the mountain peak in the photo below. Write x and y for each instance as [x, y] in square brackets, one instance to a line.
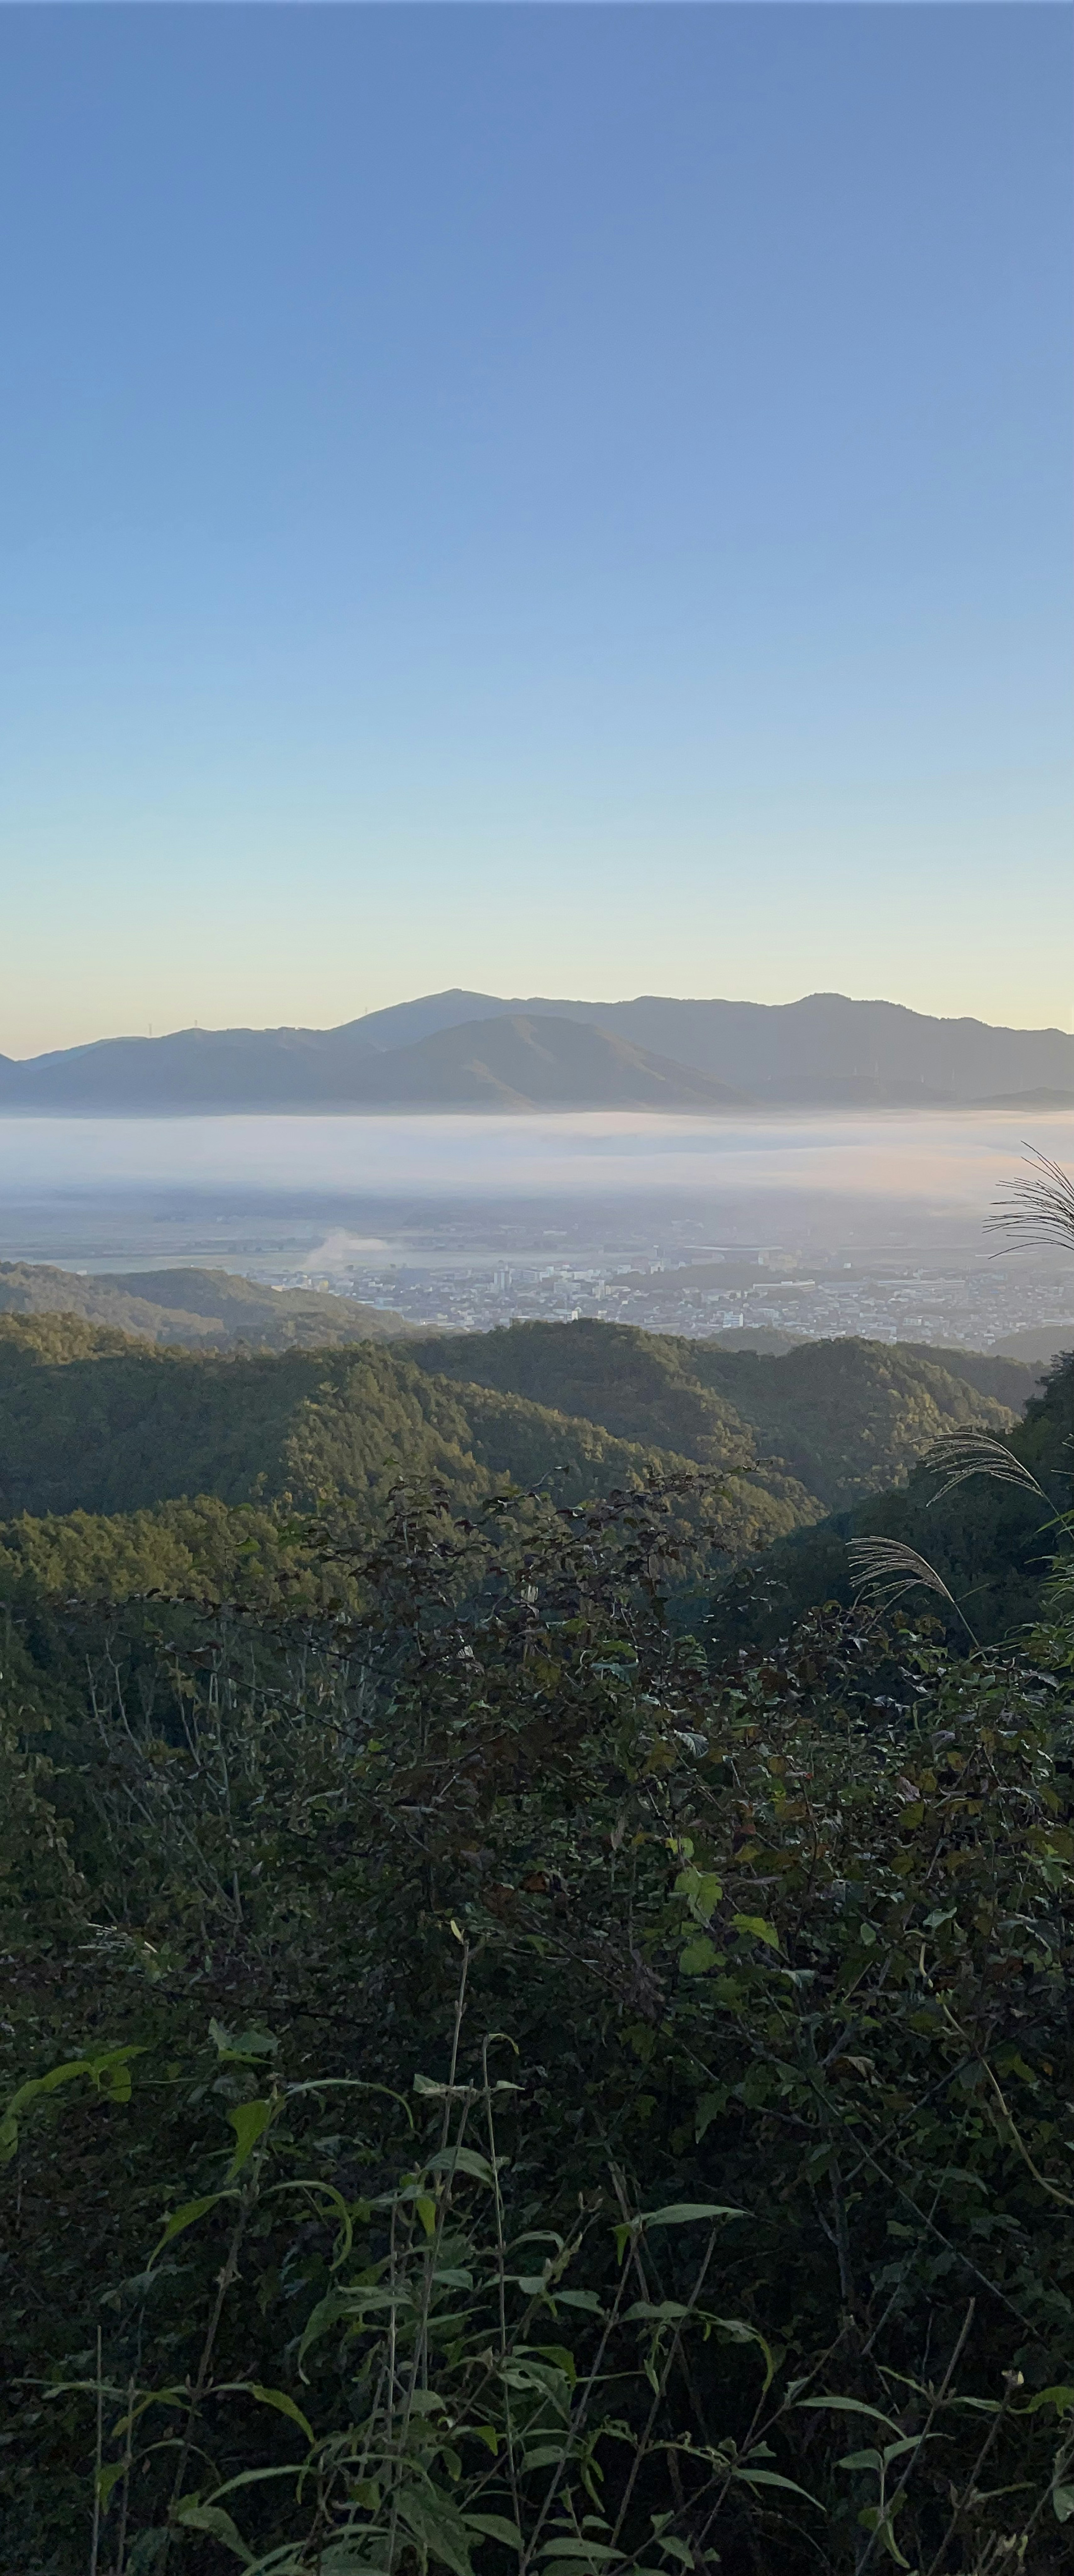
[824, 1050]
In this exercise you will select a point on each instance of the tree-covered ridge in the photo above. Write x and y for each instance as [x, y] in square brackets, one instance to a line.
[847, 1417]
[97, 1422]
[850, 1416]
[991, 1542]
[197, 1309]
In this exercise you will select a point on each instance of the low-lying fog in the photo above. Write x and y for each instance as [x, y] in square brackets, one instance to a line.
[954, 1162]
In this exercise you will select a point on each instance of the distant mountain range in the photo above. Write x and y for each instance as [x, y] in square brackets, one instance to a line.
[462, 1050]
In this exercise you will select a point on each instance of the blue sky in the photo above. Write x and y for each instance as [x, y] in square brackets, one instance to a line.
[555, 499]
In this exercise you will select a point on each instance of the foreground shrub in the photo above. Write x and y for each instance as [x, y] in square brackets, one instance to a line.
[788, 1940]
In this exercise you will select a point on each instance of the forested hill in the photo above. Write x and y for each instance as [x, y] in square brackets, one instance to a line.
[849, 1417]
[96, 1422]
[99, 1423]
[196, 1309]
[990, 1542]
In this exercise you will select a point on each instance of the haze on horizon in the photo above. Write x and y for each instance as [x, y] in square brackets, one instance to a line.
[540, 500]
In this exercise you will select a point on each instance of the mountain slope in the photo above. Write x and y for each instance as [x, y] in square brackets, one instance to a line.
[198, 1309]
[827, 1048]
[517, 1062]
[824, 1050]
[849, 1416]
[845, 1418]
[98, 1423]
[1013, 1382]
[509, 1060]
[193, 1069]
[990, 1542]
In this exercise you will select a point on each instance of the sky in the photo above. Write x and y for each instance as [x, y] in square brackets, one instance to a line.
[553, 500]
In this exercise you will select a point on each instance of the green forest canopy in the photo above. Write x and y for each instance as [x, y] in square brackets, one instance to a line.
[99, 1423]
[198, 1309]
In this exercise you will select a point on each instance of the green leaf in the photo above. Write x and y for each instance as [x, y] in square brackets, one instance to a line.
[27, 2093]
[771, 2478]
[871, 2519]
[736, 2330]
[260, 2477]
[111, 2074]
[426, 2210]
[581, 2560]
[757, 1927]
[351, 2304]
[708, 2109]
[326, 2191]
[675, 2549]
[106, 2479]
[108, 2074]
[495, 2527]
[702, 1890]
[276, 2397]
[249, 2121]
[1062, 2503]
[439, 2526]
[461, 2160]
[682, 2213]
[1060, 2397]
[241, 2048]
[583, 2551]
[697, 1957]
[179, 2395]
[851, 2406]
[186, 2217]
[212, 2518]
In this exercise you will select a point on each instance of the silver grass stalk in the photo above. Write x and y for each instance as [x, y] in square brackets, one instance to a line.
[885, 1568]
[1044, 1204]
[959, 1454]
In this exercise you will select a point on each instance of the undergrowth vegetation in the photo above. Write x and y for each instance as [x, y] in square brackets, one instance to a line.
[496, 2082]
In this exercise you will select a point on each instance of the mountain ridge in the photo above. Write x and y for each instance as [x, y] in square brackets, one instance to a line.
[196, 1309]
[822, 1051]
[100, 1420]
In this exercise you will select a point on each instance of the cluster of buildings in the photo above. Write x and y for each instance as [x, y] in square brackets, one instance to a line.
[969, 1303]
